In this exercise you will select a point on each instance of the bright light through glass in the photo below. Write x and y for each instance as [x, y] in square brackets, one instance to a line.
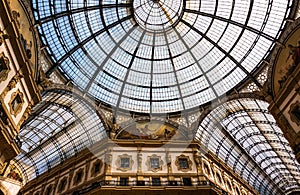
[141, 54]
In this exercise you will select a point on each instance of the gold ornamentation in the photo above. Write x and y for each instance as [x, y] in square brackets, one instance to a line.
[15, 174]
[295, 112]
[3, 36]
[154, 163]
[78, 176]
[12, 84]
[218, 177]
[124, 162]
[16, 103]
[3, 167]
[228, 184]
[26, 114]
[183, 163]
[16, 18]
[62, 185]
[4, 67]
[26, 46]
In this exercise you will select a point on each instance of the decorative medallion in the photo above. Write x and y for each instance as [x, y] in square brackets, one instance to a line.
[124, 162]
[183, 163]
[16, 102]
[154, 163]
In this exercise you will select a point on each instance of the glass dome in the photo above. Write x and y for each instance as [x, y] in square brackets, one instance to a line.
[158, 56]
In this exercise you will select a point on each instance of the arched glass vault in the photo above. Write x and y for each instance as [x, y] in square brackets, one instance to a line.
[245, 136]
[159, 56]
[61, 125]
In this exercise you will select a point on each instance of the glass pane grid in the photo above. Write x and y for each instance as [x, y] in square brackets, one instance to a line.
[249, 128]
[196, 39]
[62, 127]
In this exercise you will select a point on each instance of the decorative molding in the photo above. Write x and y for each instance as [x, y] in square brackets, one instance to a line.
[152, 167]
[127, 167]
[13, 82]
[3, 36]
[3, 168]
[206, 168]
[78, 176]
[16, 102]
[218, 177]
[4, 66]
[26, 114]
[48, 189]
[16, 17]
[188, 166]
[63, 183]
[228, 184]
[95, 172]
[15, 173]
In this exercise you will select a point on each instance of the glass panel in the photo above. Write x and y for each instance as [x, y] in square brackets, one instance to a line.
[104, 47]
[61, 126]
[248, 140]
[125, 163]
[154, 163]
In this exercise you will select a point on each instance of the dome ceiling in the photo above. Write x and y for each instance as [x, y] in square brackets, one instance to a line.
[158, 56]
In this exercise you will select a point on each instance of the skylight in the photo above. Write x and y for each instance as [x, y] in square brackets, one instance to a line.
[159, 56]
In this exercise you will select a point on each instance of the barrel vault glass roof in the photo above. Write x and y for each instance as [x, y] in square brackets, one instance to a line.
[245, 136]
[158, 56]
[61, 126]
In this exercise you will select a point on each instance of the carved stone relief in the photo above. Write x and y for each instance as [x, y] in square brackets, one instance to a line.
[16, 103]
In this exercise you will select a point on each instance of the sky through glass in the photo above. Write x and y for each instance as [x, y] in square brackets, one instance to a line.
[158, 56]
